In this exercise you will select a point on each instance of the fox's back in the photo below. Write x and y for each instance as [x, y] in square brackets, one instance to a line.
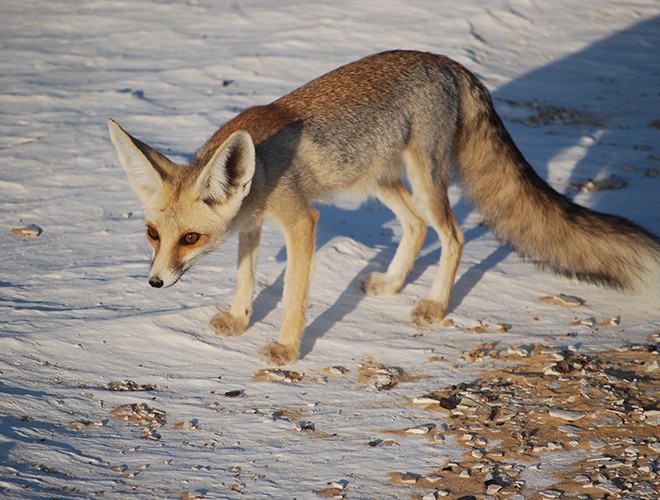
[344, 129]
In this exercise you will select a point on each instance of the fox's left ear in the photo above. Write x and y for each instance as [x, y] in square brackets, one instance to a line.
[147, 169]
[229, 172]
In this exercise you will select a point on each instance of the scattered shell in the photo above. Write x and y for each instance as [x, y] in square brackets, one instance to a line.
[186, 426]
[550, 493]
[584, 322]
[609, 420]
[31, 231]
[79, 425]
[612, 182]
[380, 377]
[303, 425]
[429, 399]
[409, 478]
[151, 433]
[613, 321]
[338, 371]
[140, 414]
[503, 328]
[563, 300]
[652, 417]
[128, 385]
[608, 486]
[493, 489]
[568, 415]
[569, 429]
[421, 429]
[277, 375]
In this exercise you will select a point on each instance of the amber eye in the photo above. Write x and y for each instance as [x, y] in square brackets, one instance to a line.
[152, 233]
[190, 238]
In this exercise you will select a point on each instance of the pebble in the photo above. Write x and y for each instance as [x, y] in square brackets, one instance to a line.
[568, 415]
[303, 425]
[655, 446]
[421, 429]
[597, 444]
[608, 486]
[339, 485]
[409, 478]
[31, 231]
[563, 300]
[581, 479]
[609, 420]
[338, 370]
[426, 400]
[550, 493]
[569, 429]
[493, 489]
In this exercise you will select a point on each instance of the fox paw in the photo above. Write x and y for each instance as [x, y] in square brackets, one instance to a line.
[274, 353]
[379, 284]
[226, 325]
[427, 312]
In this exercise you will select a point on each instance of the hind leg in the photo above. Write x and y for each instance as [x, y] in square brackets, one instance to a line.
[397, 198]
[430, 188]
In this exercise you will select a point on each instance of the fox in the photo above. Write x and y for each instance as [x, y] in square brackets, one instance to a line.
[366, 128]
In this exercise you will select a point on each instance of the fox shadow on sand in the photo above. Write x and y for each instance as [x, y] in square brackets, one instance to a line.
[557, 106]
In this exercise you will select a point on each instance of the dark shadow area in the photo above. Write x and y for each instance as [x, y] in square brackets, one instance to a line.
[18, 430]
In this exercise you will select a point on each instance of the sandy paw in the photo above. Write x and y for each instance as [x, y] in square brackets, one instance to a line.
[226, 325]
[427, 312]
[274, 353]
[379, 284]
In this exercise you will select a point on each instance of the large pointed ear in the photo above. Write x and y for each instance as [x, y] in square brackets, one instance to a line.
[229, 171]
[147, 169]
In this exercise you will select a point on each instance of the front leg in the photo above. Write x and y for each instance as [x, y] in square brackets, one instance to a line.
[299, 228]
[234, 321]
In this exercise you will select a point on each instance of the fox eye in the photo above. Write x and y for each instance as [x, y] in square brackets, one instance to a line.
[152, 233]
[190, 238]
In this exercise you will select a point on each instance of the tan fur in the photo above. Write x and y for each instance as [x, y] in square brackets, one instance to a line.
[358, 129]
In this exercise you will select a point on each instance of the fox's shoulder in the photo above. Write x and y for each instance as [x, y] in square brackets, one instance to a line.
[261, 122]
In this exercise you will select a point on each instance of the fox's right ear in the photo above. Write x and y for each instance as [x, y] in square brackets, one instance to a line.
[147, 169]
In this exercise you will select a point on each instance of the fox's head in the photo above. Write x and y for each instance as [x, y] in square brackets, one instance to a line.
[188, 209]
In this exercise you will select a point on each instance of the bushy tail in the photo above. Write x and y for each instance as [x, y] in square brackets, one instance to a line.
[540, 223]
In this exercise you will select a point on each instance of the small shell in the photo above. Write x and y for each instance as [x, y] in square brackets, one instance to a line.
[563, 300]
[31, 231]
[421, 429]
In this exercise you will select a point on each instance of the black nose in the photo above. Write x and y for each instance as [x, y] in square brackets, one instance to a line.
[156, 282]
